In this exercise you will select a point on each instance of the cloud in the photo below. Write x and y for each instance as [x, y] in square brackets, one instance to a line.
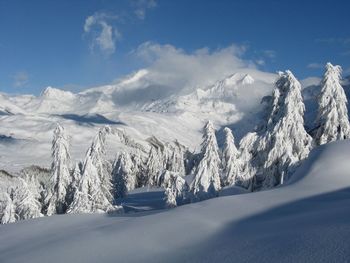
[169, 71]
[315, 66]
[269, 53]
[260, 62]
[141, 6]
[346, 71]
[177, 69]
[20, 79]
[103, 35]
[334, 40]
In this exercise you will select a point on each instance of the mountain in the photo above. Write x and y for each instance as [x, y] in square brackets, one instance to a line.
[136, 104]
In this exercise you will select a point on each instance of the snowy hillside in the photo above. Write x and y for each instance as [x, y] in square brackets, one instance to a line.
[135, 104]
[311, 216]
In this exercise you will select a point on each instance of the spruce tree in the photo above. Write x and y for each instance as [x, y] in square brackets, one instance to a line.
[94, 193]
[27, 206]
[60, 178]
[124, 175]
[175, 187]
[247, 156]
[206, 182]
[332, 120]
[154, 165]
[230, 161]
[284, 141]
[7, 209]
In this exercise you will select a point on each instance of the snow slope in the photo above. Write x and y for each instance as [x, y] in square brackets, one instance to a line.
[304, 221]
[134, 104]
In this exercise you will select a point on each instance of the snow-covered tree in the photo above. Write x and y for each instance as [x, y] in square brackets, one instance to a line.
[7, 209]
[76, 176]
[284, 142]
[154, 165]
[230, 161]
[60, 178]
[332, 120]
[175, 158]
[27, 206]
[247, 153]
[175, 188]
[124, 175]
[206, 182]
[95, 186]
[140, 169]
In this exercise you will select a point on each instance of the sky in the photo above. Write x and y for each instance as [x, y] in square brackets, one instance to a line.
[78, 44]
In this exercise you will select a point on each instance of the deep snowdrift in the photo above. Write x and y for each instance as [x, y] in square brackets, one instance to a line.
[307, 220]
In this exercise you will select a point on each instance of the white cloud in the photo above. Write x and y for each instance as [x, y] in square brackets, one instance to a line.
[269, 53]
[20, 79]
[168, 70]
[260, 62]
[334, 40]
[315, 66]
[177, 69]
[141, 6]
[103, 35]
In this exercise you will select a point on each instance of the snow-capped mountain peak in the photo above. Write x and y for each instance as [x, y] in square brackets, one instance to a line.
[54, 93]
[247, 80]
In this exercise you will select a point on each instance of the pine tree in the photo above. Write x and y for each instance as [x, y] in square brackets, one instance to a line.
[206, 182]
[154, 165]
[7, 210]
[140, 169]
[176, 159]
[27, 206]
[247, 154]
[230, 162]
[94, 190]
[124, 175]
[76, 177]
[332, 121]
[175, 188]
[60, 175]
[284, 142]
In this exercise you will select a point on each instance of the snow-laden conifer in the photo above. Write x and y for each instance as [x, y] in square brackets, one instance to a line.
[7, 209]
[332, 120]
[247, 154]
[176, 159]
[206, 182]
[94, 190]
[284, 142]
[154, 165]
[60, 178]
[175, 188]
[27, 206]
[230, 161]
[124, 175]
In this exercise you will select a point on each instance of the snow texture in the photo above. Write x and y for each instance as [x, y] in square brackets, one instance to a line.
[303, 221]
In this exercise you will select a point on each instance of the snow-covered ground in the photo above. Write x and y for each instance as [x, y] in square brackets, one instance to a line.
[304, 221]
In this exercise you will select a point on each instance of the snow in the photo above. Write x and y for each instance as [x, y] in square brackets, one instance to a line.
[303, 221]
[135, 104]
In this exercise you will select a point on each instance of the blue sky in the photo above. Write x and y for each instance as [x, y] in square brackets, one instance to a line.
[79, 44]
